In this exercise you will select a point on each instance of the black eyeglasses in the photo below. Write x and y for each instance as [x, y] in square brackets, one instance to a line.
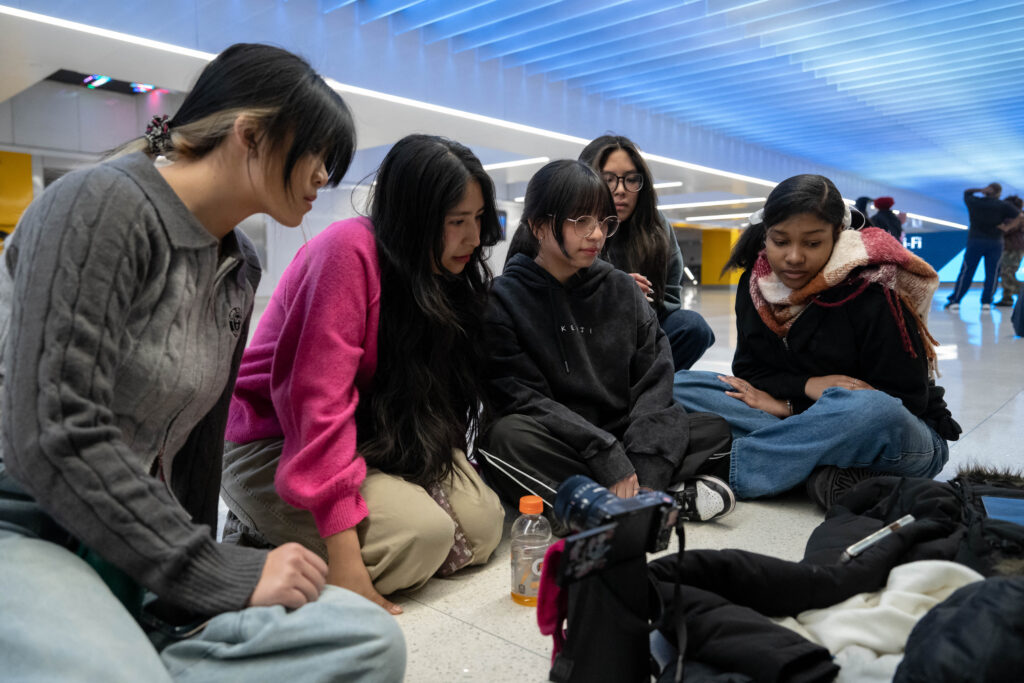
[586, 225]
[631, 181]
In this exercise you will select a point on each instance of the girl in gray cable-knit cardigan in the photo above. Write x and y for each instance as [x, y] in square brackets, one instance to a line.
[129, 294]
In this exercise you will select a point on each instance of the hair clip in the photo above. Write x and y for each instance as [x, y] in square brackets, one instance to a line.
[756, 217]
[158, 135]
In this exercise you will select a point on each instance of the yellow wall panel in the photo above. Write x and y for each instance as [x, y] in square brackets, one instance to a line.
[15, 187]
[716, 245]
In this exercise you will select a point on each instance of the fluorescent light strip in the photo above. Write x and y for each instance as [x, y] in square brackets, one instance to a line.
[501, 123]
[519, 199]
[424, 106]
[663, 186]
[518, 162]
[958, 226]
[722, 202]
[105, 33]
[707, 169]
[719, 217]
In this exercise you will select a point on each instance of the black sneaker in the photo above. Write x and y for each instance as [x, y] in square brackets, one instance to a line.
[1005, 301]
[703, 498]
[827, 483]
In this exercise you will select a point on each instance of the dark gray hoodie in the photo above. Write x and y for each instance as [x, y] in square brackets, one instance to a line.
[590, 363]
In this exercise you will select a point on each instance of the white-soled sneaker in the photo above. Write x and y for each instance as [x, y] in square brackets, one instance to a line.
[986, 307]
[703, 498]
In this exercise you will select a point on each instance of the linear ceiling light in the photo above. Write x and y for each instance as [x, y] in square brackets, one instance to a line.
[105, 33]
[426, 106]
[719, 217]
[722, 202]
[958, 226]
[666, 185]
[519, 162]
[707, 169]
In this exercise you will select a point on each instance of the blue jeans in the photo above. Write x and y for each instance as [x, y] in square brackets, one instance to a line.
[991, 250]
[866, 429]
[61, 622]
[688, 334]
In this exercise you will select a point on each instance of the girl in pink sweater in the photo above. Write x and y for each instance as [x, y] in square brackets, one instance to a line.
[355, 398]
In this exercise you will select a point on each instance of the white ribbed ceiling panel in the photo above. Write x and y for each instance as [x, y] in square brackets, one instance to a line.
[923, 94]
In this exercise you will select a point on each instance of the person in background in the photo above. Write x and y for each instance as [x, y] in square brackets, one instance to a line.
[645, 245]
[984, 240]
[885, 219]
[861, 205]
[579, 373]
[834, 365]
[362, 385]
[132, 293]
[1013, 252]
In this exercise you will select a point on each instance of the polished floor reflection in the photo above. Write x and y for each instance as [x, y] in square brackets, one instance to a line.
[466, 628]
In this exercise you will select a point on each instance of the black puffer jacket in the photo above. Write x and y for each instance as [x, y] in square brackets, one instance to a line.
[954, 510]
[975, 635]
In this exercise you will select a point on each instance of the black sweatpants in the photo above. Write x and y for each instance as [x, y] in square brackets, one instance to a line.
[520, 457]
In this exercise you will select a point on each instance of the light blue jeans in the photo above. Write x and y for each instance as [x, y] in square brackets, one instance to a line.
[59, 621]
[867, 429]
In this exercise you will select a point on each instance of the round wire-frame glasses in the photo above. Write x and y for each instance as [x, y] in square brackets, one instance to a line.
[631, 181]
[586, 225]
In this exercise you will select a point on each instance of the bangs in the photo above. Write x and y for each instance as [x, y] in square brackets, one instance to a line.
[317, 121]
[584, 194]
[598, 204]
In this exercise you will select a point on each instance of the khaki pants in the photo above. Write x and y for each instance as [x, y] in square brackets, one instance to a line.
[404, 538]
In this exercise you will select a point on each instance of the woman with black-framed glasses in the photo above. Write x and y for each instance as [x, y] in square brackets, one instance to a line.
[646, 247]
[579, 375]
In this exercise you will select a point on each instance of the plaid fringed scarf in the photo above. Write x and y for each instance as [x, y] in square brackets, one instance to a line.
[859, 258]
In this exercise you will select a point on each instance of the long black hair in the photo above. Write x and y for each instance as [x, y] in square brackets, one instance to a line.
[641, 245]
[296, 111]
[561, 189]
[427, 392]
[801, 194]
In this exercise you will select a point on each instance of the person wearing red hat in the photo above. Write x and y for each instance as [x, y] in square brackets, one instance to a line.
[886, 219]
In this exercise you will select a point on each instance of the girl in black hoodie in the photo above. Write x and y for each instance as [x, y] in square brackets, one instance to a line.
[579, 372]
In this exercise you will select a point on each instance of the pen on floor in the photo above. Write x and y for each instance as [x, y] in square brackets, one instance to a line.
[865, 543]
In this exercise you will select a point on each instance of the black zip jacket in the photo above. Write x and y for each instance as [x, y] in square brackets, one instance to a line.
[859, 338]
[590, 363]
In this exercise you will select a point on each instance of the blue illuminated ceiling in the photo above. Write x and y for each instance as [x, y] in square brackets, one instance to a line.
[921, 94]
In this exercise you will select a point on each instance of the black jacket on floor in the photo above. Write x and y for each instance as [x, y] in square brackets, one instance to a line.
[727, 599]
[590, 363]
[859, 338]
[974, 635]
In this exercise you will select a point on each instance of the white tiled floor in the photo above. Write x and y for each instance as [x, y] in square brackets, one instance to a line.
[467, 629]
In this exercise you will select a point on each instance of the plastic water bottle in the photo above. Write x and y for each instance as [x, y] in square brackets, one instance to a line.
[531, 536]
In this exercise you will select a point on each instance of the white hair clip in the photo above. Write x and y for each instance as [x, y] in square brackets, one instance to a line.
[847, 216]
[756, 217]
